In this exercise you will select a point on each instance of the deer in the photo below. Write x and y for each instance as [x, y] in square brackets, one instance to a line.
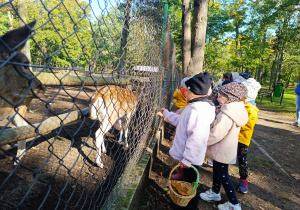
[110, 104]
[18, 85]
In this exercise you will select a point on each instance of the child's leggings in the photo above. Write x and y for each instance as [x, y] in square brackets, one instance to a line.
[220, 175]
[242, 158]
[190, 176]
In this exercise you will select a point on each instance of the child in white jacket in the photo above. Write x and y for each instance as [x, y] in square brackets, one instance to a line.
[223, 141]
[193, 127]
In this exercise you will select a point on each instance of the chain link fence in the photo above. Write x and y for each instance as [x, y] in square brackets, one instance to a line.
[80, 83]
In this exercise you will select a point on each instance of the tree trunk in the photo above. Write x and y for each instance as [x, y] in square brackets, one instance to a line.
[281, 45]
[22, 13]
[289, 79]
[273, 69]
[124, 38]
[186, 35]
[262, 52]
[198, 36]
[279, 65]
[237, 34]
[10, 17]
[260, 70]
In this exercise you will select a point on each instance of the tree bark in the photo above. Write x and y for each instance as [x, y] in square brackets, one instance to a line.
[273, 68]
[260, 70]
[198, 36]
[289, 79]
[186, 35]
[237, 35]
[282, 39]
[279, 64]
[262, 59]
[124, 38]
[22, 13]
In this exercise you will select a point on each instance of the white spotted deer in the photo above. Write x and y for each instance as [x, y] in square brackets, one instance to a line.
[18, 85]
[109, 104]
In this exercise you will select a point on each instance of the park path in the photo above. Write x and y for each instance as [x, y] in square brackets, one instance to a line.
[269, 186]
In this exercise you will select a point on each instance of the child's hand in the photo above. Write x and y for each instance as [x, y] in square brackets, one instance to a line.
[159, 114]
[182, 165]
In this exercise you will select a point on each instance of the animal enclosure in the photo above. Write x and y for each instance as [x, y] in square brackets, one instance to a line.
[60, 63]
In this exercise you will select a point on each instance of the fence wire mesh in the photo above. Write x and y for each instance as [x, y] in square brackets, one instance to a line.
[79, 86]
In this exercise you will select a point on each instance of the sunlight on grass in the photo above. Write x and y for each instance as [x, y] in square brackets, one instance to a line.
[288, 106]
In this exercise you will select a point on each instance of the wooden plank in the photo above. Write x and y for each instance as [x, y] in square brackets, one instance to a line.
[25, 132]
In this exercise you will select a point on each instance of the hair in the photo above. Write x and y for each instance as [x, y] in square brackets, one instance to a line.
[227, 76]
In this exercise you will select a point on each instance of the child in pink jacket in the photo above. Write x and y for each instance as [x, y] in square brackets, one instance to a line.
[223, 141]
[192, 129]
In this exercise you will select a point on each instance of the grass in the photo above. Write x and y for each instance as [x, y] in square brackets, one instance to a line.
[258, 162]
[287, 107]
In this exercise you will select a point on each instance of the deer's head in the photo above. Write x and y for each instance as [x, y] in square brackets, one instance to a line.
[16, 78]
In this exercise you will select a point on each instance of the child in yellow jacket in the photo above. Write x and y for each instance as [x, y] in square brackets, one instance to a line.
[246, 131]
[179, 95]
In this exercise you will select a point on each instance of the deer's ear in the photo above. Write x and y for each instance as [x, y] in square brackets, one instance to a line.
[15, 37]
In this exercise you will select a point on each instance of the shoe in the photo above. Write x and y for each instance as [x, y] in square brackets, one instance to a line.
[229, 206]
[210, 196]
[296, 123]
[243, 187]
[210, 163]
[179, 176]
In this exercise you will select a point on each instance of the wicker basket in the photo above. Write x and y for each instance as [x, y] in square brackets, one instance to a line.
[183, 200]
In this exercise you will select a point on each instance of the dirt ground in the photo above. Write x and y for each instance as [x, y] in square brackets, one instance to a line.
[58, 170]
[271, 185]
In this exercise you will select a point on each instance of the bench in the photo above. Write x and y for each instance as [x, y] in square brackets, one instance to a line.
[263, 92]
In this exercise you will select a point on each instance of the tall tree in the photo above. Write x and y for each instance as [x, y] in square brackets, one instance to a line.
[194, 42]
[186, 35]
[124, 37]
[198, 36]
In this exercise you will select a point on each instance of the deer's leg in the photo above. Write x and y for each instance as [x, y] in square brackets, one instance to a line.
[99, 143]
[19, 121]
[126, 127]
[106, 125]
[121, 130]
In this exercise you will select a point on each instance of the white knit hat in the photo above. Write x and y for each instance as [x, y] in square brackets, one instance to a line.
[184, 80]
[219, 84]
[234, 75]
[239, 79]
[252, 88]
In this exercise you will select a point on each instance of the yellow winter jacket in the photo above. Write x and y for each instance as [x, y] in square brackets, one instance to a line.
[180, 99]
[247, 130]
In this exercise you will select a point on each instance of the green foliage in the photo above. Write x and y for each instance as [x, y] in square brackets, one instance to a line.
[249, 36]
[72, 34]
[260, 32]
